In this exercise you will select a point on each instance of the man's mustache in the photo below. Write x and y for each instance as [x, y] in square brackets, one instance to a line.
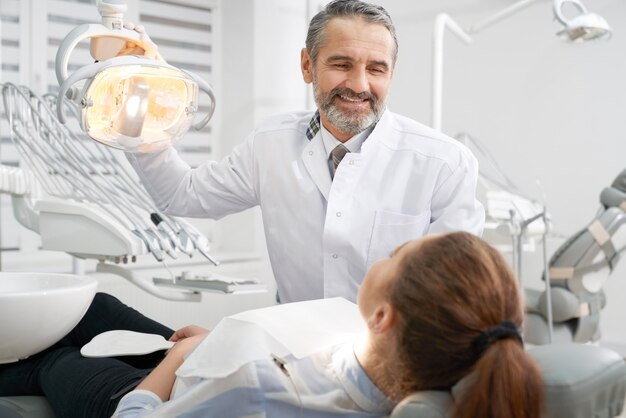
[346, 92]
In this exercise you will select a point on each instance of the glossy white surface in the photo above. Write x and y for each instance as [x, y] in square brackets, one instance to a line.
[38, 309]
[124, 343]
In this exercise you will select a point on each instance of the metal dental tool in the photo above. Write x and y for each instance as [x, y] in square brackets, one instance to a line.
[82, 199]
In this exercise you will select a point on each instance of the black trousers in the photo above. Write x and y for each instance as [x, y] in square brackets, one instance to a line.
[78, 387]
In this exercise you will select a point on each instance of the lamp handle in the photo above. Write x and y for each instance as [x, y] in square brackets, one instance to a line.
[88, 71]
[205, 87]
[66, 89]
[558, 9]
[90, 30]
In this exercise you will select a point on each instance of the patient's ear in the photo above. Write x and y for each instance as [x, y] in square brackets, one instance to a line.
[382, 319]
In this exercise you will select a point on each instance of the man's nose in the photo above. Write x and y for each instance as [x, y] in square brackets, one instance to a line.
[358, 81]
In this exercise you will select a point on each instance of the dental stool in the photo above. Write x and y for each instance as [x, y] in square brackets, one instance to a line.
[578, 270]
[580, 381]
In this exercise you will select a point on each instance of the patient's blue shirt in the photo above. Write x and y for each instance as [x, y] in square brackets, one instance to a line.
[326, 384]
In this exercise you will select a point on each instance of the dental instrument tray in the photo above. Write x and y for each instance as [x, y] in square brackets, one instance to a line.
[212, 282]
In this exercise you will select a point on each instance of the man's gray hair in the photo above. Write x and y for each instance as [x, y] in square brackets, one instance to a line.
[371, 13]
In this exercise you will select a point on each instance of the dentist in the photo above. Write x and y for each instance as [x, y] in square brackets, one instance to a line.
[338, 188]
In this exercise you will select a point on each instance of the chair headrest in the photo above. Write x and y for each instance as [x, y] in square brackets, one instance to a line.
[620, 181]
[612, 197]
[565, 305]
[579, 381]
[425, 404]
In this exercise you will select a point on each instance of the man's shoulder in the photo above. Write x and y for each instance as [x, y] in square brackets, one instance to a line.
[407, 128]
[411, 135]
[296, 121]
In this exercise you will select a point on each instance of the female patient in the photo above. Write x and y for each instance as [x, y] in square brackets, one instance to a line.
[438, 309]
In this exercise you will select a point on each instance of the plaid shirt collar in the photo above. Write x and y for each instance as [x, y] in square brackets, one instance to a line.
[314, 126]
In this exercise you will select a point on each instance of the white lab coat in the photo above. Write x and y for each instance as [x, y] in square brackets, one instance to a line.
[322, 235]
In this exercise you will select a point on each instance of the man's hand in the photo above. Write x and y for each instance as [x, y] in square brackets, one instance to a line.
[146, 48]
[105, 47]
[188, 331]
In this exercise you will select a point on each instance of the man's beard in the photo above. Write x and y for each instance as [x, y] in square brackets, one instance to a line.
[347, 121]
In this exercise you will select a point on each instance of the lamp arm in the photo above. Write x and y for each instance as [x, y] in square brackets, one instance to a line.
[205, 87]
[442, 22]
[501, 15]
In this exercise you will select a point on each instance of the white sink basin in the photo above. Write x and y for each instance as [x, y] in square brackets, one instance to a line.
[38, 309]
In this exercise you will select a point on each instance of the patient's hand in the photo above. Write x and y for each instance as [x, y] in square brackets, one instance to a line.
[184, 347]
[161, 380]
[188, 331]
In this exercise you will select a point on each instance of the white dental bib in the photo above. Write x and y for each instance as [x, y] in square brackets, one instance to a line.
[300, 329]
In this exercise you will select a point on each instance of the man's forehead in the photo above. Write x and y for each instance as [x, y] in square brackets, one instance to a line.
[354, 33]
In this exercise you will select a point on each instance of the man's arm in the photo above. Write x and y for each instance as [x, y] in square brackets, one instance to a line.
[213, 189]
[454, 205]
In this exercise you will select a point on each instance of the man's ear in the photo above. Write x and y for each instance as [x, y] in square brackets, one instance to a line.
[306, 65]
[382, 320]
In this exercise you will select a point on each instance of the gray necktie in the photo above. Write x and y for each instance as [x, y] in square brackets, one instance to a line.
[336, 155]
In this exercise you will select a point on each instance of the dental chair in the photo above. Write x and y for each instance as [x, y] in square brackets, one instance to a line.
[25, 407]
[581, 381]
[577, 272]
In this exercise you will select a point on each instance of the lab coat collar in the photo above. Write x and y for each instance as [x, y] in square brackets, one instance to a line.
[353, 144]
[381, 131]
[315, 157]
[315, 161]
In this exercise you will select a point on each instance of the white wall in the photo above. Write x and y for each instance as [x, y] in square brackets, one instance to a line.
[550, 112]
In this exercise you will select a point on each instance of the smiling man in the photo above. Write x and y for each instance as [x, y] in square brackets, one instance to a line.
[349, 60]
[340, 187]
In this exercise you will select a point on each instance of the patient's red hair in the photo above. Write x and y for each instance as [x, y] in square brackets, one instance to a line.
[448, 291]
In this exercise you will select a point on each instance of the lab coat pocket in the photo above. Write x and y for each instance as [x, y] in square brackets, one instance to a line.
[392, 229]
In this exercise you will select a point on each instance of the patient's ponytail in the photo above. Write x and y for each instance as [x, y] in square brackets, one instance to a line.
[504, 383]
[460, 315]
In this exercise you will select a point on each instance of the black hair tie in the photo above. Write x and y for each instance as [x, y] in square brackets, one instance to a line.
[503, 330]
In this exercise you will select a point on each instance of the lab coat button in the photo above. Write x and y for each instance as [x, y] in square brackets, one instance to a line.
[351, 162]
[335, 256]
[310, 152]
[338, 214]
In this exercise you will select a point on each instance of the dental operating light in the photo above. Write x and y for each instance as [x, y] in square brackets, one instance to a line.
[133, 103]
[582, 27]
